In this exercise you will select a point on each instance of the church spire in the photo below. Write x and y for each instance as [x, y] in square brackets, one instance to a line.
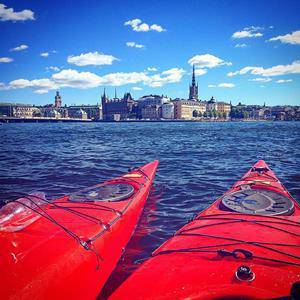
[193, 78]
[104, 98]
[193, 87]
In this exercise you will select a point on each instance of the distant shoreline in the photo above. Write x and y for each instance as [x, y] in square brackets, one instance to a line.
[70, 120]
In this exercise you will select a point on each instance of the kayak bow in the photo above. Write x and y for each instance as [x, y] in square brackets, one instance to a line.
[246, 245]
[67, 248]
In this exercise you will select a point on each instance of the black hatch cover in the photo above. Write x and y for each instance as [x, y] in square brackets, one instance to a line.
[258, 202]
[106, 192]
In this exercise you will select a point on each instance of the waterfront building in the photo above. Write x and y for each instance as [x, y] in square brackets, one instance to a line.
[94, 112]
[191, 108]
[218, 107]
[81, 114]
[297, 113]
[151, 112]
[23, 111]
[223, 108]
[193, 94]
[252, 111]
[52, 113]
[57, 102]
[117, 109]
[241, 106]
[167, 111]
[17, 110]
[6, 109]
[186, 109]
[284, 113]
[211, 104]
[54, 110]
[150, 100]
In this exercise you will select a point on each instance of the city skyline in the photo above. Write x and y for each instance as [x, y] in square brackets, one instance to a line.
[240, 52]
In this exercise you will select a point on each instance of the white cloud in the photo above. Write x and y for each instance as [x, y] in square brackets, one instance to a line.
[139, 26]
[293, 68]
[84, 80]
[47, 53]
[226, 85]
[53, 68]
[134, 45]
[245, 34]
[291, 38]
[248, 32]
[91, 58]
[200, 72]
[19, 84]
[44, 54]
[73, 78]
[207, 61]
[156, 80]
[261, 79]
[169, 76]
[222, 85]
[19, 48]
[254, 28]
[284, 80]
[8, 14]
[241, 72]
[66, 78]
[156, 27]
[152, 69]
[41, 91]
[122, 78]
[240, 46]
[44, 83]
[137, 88]
[6, 60]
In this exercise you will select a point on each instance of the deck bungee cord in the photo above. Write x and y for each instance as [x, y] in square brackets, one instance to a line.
[39, 258]
[86, 244]
[226, 253]
[70, 208]
[246, 245]
[222, 252]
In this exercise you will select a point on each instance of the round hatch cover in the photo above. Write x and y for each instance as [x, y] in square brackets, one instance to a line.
[107, 192]
[258, 202]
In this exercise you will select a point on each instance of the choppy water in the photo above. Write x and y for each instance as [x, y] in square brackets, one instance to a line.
[198, 162]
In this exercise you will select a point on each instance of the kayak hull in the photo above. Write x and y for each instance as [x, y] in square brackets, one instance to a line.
[43, 261]
[207, 258]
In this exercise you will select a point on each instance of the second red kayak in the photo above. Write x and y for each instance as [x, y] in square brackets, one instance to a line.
[67, 248]
[246, 245]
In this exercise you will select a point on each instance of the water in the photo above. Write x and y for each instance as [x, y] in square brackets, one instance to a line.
[198, 162]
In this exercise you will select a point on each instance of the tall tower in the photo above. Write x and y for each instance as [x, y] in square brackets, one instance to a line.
[104, 100]
[193, 87]
[57, 100]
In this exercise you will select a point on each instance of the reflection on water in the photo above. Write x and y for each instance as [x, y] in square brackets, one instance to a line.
[198, 162]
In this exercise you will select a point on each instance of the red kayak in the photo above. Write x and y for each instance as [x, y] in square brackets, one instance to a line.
[67, 248]
[246, 245]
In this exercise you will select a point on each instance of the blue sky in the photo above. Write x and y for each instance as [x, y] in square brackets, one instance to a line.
[242, 51]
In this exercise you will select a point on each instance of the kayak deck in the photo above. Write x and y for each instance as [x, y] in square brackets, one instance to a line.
[224, 253]
[70, 251]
